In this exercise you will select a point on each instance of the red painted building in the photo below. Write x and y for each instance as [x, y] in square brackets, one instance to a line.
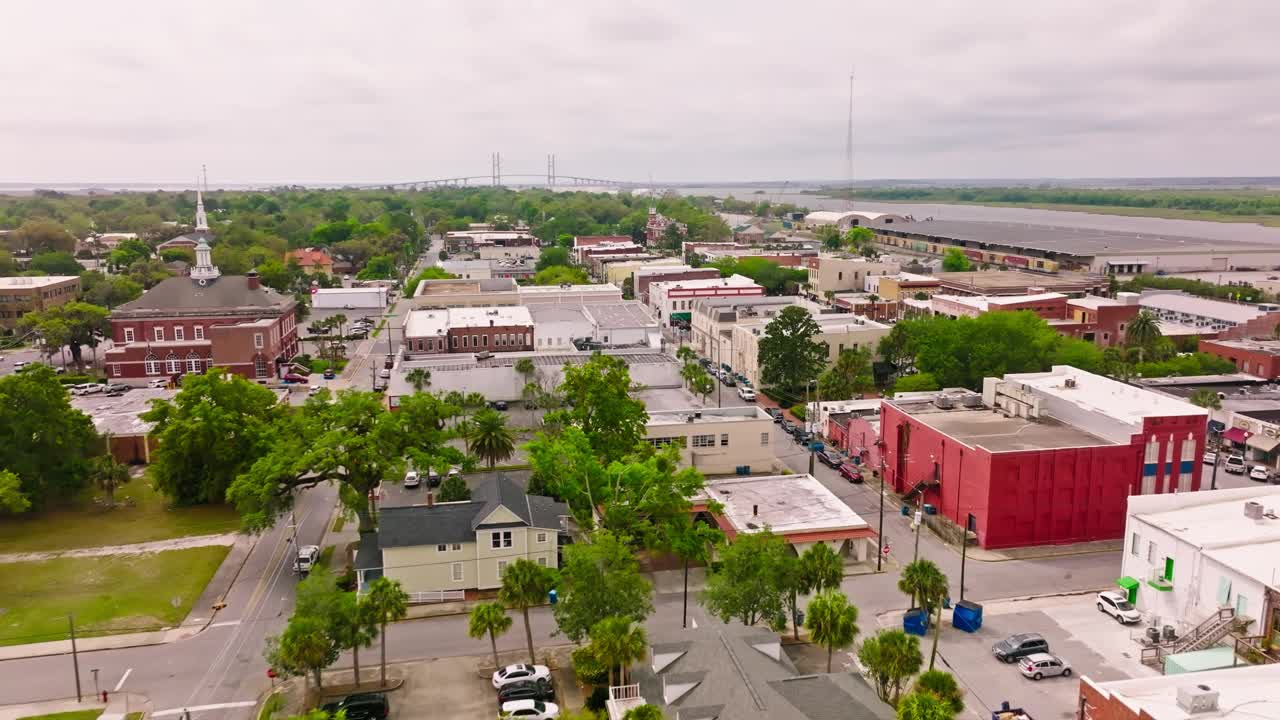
[469, 330]
[1041, 458]
[1253, 357]
[642, 281]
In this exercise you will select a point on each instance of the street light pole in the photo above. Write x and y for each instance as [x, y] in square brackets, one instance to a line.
[880, 554]
[969, 524]
[1217, 460]
[75, 658]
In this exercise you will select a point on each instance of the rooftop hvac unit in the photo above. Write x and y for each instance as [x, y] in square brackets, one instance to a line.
[1069, 382]
[688, 418]
[1253, 510]
[1194, 699]
[971, 401]
[944, 402]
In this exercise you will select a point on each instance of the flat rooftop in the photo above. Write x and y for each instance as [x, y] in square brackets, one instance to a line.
[1247, 692]
[1270, 347]
[33, 281]
[696, 416]
[984, 303]
[986, 281]
[1176, 302]
[1104, 396]
[535, 290]
[632, 314]
[119, 415]
[731, 281]
[424, 323]
[786, 504]
[1217, 520]
[996, 432]
[436, 288]
[1072, 241]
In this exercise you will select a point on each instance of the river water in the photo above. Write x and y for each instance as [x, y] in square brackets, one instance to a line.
[1239, 232]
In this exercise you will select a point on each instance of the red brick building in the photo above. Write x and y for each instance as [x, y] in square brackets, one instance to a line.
[469, 330]
[1041, 458]
[313, 261]
[190, 324]
[1253, 357]
[642, 280]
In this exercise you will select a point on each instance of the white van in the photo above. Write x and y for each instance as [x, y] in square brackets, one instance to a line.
[306, 559]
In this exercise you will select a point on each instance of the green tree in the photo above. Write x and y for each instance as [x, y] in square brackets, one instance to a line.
[618, 642]
[352, 625]
[644, 712]
[923, 706]
[553, 257]
[379, 267]
[387, 602]
[919, 382]
[107, 291]
[489, 619]
[55, 263]
[598, 395]
[829, 235]
[850, 377]
[820, 569]
[1143, 332]
[561, 275]
[702, 385]
[927, 586]
[954, 260]
[890, 656]
[1206, 399]
[525, 368]
[489, 438]
[12, 500]
[305, 648]
[524, 584]
[857, 238]
[454, 489]
[37, 236]
[751, 583]
[693, 542]
[943, 686]
[600, 579]
[107, 474]
[832, 621]
[789, 356]
[72, 325]
[419, 378]
[213, 430]
[44, 441]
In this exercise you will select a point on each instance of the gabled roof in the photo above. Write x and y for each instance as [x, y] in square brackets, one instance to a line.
[309, 256]
[457, 522]
[501, 492]
[230, 292]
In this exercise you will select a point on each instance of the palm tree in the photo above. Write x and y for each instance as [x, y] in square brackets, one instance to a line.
[524, 584]
[832, 621]
[489, 619]
[890, 656]
[1207, 399]
[419, 378]
[690, 372]
[473, 400]
[644, 712]
[817, 569]
[1143, 331]
[618, 642]
[108, 474]
[829, 296]
[388, 602]
[926, 583]
[923, 706]
[693, 542]
[489, 438]
[943, 686]
[686, 355]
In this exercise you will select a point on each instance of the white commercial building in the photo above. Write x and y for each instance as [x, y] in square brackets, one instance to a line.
[713, 319]
[1203, 313]
[569, 294]
[349, 298]
[1188, 556]
[846, 220]
[840, 331]
[623, 324]
[674, 300]
[716, 441]
[1240, 693]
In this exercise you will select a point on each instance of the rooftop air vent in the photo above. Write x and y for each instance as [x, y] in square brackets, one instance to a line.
[1195, 699]
[1069, 382]
[944, 401]
[1253, 510]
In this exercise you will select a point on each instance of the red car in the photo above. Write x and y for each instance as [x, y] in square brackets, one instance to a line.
[293, 378]
[851, 473]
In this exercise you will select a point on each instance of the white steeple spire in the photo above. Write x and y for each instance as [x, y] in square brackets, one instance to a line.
[202, 220]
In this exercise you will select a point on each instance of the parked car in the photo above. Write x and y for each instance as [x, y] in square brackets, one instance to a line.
[1209, 458]
[518, 672]
[113, 393]
[306, 559]
[499, 405]
[294, 378]
[87, 389]
[728, 380]
[1019, 646]
[530, 710]
[775, 413]
[747, 394]
[1118, 607]
[314, 390]
[850, 472]
[1234, 464]
[526, 690]
[362, 706]
[454, 472]
[384, 373]
[118, 387]
[158, 383]
[1259, 473]
[412, 479]
[358, 333]
[483, 355]
[1040, 665]
[802, 437]
[329, 374]
[788, 427]
[830, 458]
[433, 478]
[19, 365]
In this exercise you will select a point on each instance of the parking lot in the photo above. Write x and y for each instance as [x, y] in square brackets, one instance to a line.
[1092, 643]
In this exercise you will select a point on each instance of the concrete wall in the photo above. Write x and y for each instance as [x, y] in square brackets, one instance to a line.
[737, 442]
[499, 381]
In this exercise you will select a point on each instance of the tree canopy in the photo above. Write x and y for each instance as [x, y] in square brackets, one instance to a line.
[44, 442]
[954, 260]
[600, 578]
[789, 356]
[753, 581]
[599, 402]
[849, 377]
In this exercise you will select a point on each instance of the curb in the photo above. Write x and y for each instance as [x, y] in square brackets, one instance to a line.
[1016, 598]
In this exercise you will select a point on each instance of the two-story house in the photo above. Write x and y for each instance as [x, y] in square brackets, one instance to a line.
[467, 545]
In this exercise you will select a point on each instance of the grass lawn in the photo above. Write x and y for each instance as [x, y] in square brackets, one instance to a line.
[107, 595]
[69, 715]
[89, 526]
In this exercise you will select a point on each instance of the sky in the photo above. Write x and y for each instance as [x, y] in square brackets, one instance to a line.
[383, 91]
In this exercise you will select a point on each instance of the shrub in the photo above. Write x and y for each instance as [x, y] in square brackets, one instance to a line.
[798, 410]
[598, 698]
[588, 668]
[77, 379]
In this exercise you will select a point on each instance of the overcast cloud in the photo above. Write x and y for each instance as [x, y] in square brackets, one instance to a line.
[394, 91]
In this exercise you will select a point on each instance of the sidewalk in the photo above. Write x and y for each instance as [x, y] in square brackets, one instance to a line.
[118, 707]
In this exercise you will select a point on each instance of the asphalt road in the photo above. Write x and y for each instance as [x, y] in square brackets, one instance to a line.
[222, 665]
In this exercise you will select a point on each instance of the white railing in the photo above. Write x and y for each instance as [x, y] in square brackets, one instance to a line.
[436, 596]
[623, 698]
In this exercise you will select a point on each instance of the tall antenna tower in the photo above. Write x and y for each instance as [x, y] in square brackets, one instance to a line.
[848, 147]
[497, 169]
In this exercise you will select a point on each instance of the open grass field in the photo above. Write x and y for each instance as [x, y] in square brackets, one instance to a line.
[86, 525]
[107, 595]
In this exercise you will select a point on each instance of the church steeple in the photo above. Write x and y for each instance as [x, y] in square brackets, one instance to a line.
[202, 220]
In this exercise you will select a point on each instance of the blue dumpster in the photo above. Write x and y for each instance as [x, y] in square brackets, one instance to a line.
[553, 596]
[930, 509]
[967, 616]
[915, 622]
[906, 510]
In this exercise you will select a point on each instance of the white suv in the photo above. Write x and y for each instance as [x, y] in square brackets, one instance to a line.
[1118, 607]
[747, 394]
[1234, 464]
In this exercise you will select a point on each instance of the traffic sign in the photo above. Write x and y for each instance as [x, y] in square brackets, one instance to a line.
[885, 550]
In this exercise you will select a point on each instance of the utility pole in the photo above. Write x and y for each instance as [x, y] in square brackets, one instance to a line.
[880, 551]
[809, 412]
[848, 145]
[1217, 460]
[919, 520]
[969, 524]
[75, 658]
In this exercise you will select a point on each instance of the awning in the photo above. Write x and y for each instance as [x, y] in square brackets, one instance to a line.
[1262, 442]
[1236, 435]
[1127, 582]
[1217, 426]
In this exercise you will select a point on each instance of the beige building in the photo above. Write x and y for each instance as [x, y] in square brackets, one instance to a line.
[843, 274]
[713, 319]
[21, 295]
[716, 441]
[466, 293]
[466, 545]
[839, 331]
[618, 272]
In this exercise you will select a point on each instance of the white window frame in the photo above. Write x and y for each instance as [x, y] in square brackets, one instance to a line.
[172, 365]
[457, 573]
[198, 331]
[502, 567]
[179, 333]
[542, 561]
[1135, 544]
[724, 439]
[703, 441]
[115, 369]
[507, 539]
[128, 334]
[151, 365]
[157, 333]
[495, 540]
[764, 439]
[257, 341]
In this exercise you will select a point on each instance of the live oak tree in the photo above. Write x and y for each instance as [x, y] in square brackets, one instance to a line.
[213, 430]
[789, 357]
[753, 581]
[44, 441]
[599, 403]
[12, 500]
[73, 325]
[600, 578]
[954, 260]
[849, 377]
